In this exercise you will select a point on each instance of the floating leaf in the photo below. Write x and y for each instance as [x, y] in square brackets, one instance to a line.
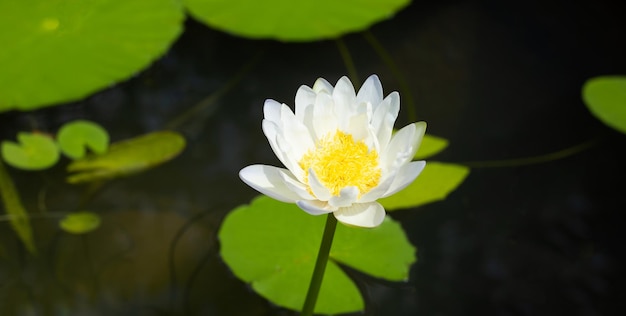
[430, 146]
[435, 182]
[127, 157]
[606, 98]
[285, 20]
[75, 137]
[57, 50]
[34, 151]
[274, 245]
[14, 207]
[80, 222]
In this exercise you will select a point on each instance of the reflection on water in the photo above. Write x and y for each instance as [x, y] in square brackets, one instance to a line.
[499, 82]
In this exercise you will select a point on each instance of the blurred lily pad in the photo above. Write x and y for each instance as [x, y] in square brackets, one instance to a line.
[75, 137]
[58, 50]
[80, 222]
[430, 146]
[274, 245]
[33, 151]
[285, 20]
[15, 209]
[127, 157]
[436, 181]
[605, 97]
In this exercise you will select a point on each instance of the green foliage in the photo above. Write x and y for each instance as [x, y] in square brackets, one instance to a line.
[430, 146]
[75, 137]
[606, 99]
[80, 222]
[17, 214]
[58, 50]
[436, 181]
[273, 245]
[127, 157]
[306, 20]
[32, 152]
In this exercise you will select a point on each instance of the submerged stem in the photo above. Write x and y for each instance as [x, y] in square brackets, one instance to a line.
[348, 61]
[518, 162]
[395, 70]
[320, 266]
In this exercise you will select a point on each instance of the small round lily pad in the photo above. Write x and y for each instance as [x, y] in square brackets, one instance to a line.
[80, 222]
[76, 137]
[33, 151]
[605, 97]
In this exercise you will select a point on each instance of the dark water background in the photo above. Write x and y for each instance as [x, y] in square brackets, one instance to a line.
[500, 80]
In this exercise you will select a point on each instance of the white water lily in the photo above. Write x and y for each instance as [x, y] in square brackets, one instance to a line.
[339, 151]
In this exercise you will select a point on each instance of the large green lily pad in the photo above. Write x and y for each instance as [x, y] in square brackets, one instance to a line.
[606, 98]
[274, 245]
[286, 20]
[63, 50]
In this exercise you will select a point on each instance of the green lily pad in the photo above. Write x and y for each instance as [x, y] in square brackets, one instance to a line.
[127, 157]
[436, 181]
[606, 99]
[80, 222]
[274, 245]
[17, 213]
[34, 151]
[58, 50]
[304, 20]
[75, 137]
[430, 146]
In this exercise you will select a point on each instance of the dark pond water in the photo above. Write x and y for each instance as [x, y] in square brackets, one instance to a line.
[500, 81]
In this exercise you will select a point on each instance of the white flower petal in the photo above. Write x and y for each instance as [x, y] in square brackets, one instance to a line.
[371, 91]
[268, 180]
[322, 85]
[296, 186]
[345, 98]
[271, 130]
[319, 190]
[271, 110]
[324, 119]
[314, 207]
[361, 214]
[286, 151]
[377, 192]
[347, 196]
[305, 99]
[403, 146]
[383, 118]
[296, 134]
[405, 176]
[358, 126]
[282, 148]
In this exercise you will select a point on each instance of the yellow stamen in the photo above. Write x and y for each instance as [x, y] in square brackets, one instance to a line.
[339, 161]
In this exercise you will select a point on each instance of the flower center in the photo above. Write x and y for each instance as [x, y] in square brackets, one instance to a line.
[338, 161]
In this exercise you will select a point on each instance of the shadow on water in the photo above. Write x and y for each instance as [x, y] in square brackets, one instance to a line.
[499, 81]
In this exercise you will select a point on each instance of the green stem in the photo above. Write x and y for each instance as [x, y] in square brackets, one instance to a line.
[395, 70]
[320, 266]
[532, 160]
[348, 61]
